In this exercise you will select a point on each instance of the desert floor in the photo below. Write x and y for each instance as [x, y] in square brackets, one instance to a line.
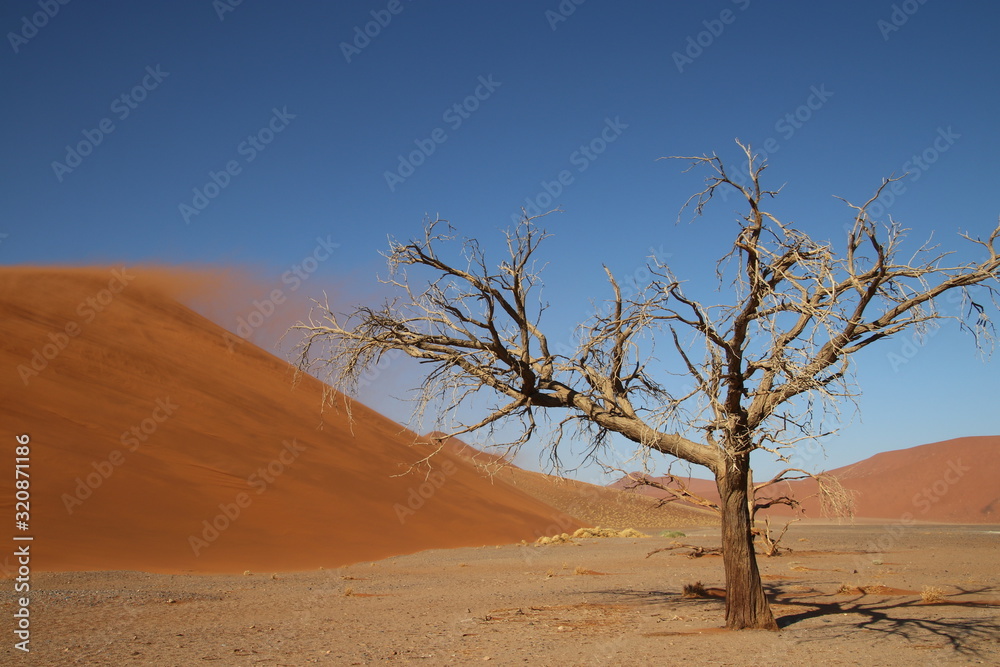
[845, 595]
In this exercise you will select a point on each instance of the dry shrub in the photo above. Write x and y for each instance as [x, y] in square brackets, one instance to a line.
[348, 592]
[566, 538]
[873, 589]
[607, 532]
[695, 590]
[846, 589]
[631, 532]
[932, 594]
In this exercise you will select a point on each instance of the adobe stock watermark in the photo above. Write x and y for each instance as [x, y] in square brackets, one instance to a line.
[910, 346]
[786, 126]
[122, 107]
[363, 35]
[248, 149]
[135, 436]
[697, 44]
[898, 17]
[631, 284]
[296, 275]
[562, 12]
[912, 170]
[417, 496]
[373, 372]
[580, 160]
[87, 310]
[922, 501]
[30, 25]
[455, 115]
[223, 7]
[634, 282]
[259, 481]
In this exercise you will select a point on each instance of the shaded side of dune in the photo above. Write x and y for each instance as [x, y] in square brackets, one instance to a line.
[161, 443]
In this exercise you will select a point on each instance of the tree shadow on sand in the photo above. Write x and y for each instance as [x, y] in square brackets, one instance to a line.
[909, 618]
[888, 615]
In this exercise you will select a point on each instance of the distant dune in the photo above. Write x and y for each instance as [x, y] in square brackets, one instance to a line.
[159, 442]
[955, 481]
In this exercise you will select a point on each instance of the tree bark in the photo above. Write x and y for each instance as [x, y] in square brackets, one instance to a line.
[746, 604]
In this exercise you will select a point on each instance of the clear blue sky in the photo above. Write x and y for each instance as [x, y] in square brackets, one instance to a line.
[308, 115]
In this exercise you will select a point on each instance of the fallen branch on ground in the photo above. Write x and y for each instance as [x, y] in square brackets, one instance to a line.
[696, 551]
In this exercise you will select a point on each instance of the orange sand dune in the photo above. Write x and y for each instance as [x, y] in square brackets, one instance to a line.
[595, 505]
[485, 461]
[955, 481]
[160, 442]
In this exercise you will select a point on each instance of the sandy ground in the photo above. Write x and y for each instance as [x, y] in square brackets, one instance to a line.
[598, 602]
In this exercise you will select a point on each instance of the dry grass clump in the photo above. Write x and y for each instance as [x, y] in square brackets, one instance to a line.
[870, 589]
[874, 589]
[631, 532]
[932, 594]
[348, 592]
[695, 590]
[565, 538]
[607, 532]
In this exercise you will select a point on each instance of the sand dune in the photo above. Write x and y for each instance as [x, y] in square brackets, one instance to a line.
[161, 443]
[594, 505]
[955, 481]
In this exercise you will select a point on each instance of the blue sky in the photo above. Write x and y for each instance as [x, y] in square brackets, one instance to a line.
[256, 134]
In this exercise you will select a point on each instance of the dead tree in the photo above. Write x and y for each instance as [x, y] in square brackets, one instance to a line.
[765, 367]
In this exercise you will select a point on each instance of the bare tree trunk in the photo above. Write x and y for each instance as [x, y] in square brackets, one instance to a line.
[746, 605]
